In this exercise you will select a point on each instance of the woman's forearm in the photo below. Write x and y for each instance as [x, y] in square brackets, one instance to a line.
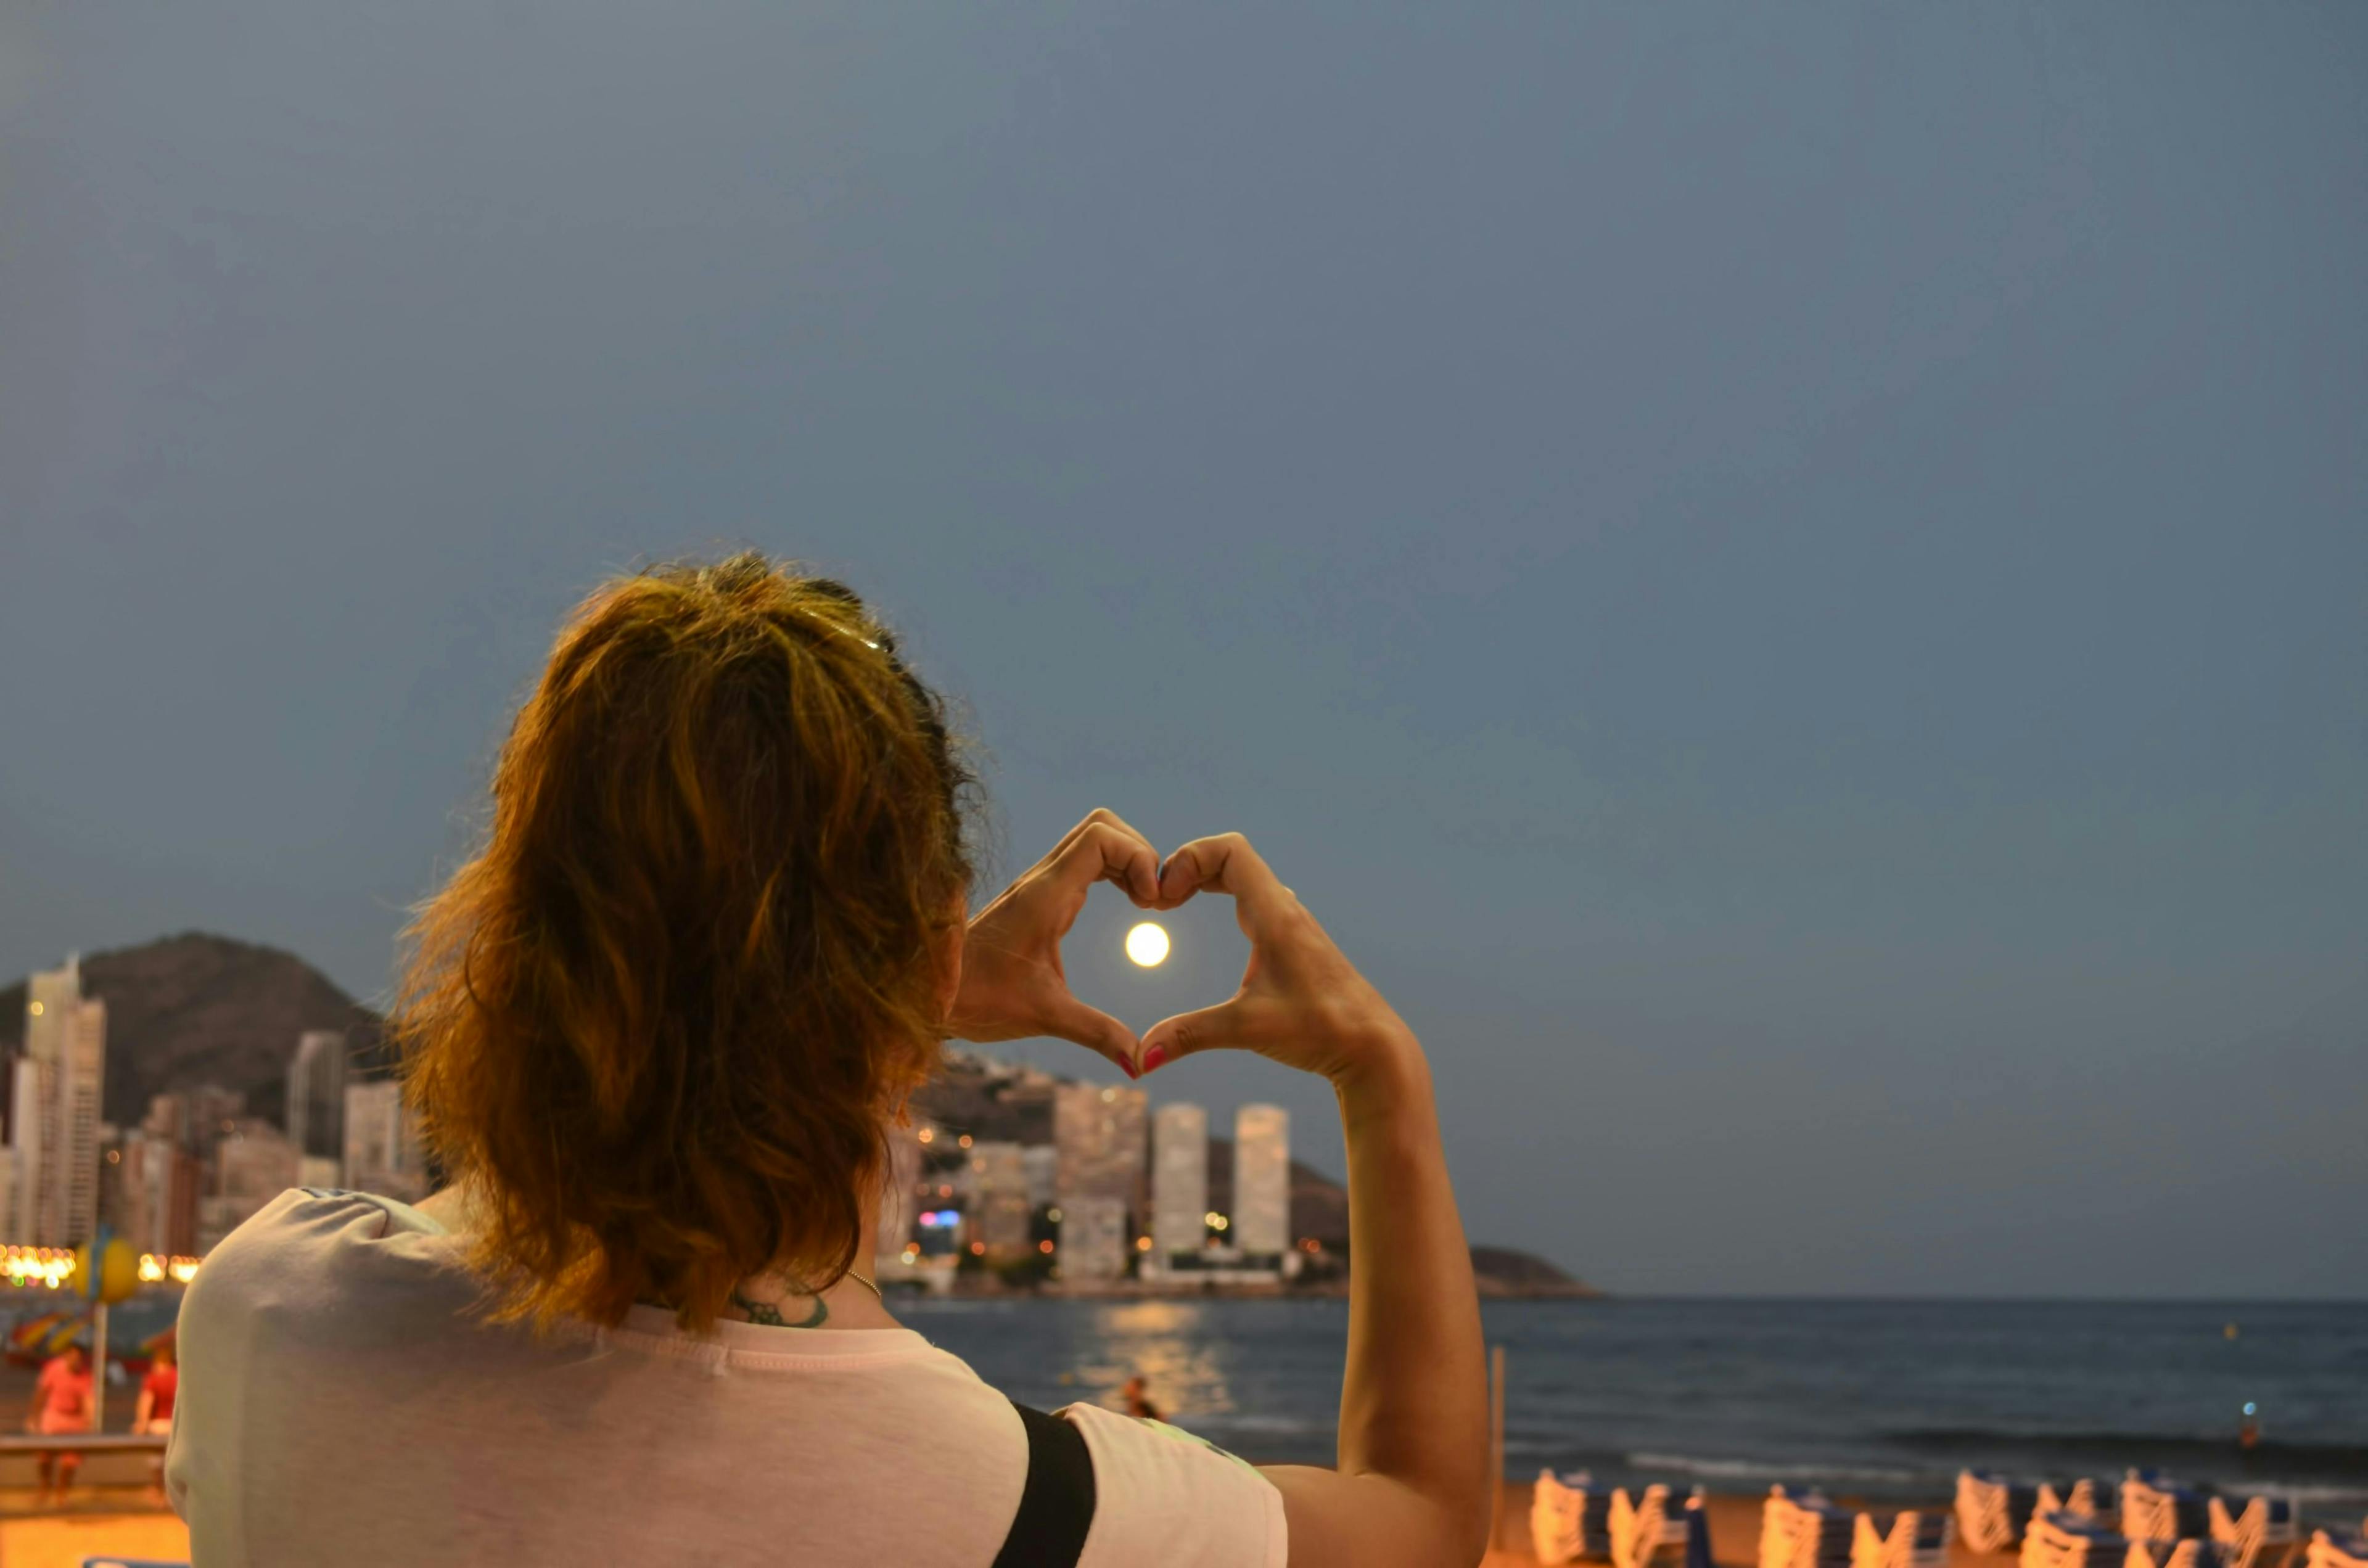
[1414, 1402]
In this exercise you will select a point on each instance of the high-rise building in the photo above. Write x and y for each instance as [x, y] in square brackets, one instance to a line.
[129, 1195]
[171, 1180]
[1100, 1134]
[1093, 1249]
[316, 1105]
[1043, 1162]
[211, 1114]
[167, 1118]
[1179, 1180]
[382, 1143]
[1260, 1224]
[161, 1181]
[254, 1163]
[995, 1183]
[58, 1083]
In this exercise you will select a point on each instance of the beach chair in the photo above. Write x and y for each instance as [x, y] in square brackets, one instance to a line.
[2329, 1549]
[2083, 1499]
[2267, 1525]
[1913, 1540]
[1802, 1529]
[1645, 1527]
[1992, 1509]
[2155, 1508]
[1569, 1518]
[1779, 1524]
[2069, 1540]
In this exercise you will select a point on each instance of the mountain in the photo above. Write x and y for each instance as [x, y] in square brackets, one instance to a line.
[196, 1009]
[1504, 1271]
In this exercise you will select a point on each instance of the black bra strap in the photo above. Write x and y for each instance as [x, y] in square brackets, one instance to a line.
[1056, 1505]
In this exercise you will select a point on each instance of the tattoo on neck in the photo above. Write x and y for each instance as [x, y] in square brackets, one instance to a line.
[769, 1315]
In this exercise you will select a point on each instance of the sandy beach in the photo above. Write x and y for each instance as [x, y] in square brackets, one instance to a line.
[1734, 1530]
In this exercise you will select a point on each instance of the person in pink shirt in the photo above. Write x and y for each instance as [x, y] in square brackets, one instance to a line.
[60, 1403]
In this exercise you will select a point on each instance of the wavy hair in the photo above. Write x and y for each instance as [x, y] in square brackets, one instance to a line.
[659, 1022]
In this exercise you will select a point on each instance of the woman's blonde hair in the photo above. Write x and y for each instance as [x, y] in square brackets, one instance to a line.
[657, 1025]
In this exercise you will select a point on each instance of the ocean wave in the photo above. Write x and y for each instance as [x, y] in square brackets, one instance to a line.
[1282, 1424]
[1762, 1469]
[2115, 1451]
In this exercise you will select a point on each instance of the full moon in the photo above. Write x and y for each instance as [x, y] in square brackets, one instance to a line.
[1147, 944]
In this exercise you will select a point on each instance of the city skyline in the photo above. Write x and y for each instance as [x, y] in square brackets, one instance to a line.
[1127, 1194]
[198, 1163]
[1124, 1193]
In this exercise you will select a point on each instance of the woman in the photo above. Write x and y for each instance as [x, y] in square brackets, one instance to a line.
[60, 1403]
[655, 1032]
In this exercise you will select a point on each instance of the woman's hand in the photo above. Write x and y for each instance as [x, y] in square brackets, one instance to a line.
[1301, 1001]
[1412, 1489]
[1012, 983]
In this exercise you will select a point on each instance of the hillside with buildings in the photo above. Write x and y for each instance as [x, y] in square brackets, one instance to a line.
[171, 1089]
[195, 1010]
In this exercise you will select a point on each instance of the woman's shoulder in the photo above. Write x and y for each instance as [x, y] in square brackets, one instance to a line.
[1163, 1496]
[312, 1247]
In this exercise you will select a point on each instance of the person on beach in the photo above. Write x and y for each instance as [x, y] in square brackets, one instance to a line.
[1137, 1395]
[153, 1416]
[655, 1032]
[62, 1397]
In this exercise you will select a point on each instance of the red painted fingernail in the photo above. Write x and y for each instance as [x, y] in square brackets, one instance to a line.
[1153, 1057]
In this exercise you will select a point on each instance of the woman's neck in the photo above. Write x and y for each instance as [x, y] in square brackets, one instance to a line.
[853, 1302]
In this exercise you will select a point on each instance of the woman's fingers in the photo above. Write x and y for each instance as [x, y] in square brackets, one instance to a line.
[1227, 1025]
[1103, 849]
[1097, 1032]
[1225, 863]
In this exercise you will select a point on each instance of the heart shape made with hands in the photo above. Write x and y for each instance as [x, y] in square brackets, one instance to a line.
[1299, 1002]
[1013, 982]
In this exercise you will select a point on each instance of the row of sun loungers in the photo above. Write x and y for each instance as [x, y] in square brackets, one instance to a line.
[1993, 1511]
[2155, 1507]
[1802, 1529]
[2146, 1521]
[2067, 1541]
[2149, 1521]
[1571, 1518]
[1915, 1540]
[2264, 1524]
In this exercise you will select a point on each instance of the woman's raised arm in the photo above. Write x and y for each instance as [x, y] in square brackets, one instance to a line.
[1413, 1486]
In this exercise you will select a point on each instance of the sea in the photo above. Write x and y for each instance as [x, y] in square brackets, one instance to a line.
[1878, 1400]
[1884, 1401]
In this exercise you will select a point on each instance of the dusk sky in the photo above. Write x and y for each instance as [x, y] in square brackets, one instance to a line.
[1791, 582]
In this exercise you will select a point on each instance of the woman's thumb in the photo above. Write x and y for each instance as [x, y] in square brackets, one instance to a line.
[1210, 1029]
